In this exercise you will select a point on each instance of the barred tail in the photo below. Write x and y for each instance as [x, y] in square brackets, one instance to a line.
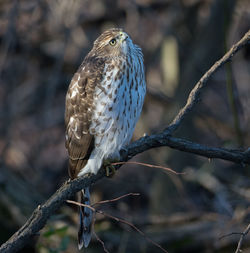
[85, 213]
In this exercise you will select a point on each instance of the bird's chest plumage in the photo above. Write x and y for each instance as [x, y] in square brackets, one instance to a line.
[117, 103]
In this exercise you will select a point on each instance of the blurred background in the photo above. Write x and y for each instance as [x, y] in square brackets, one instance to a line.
[43, 42]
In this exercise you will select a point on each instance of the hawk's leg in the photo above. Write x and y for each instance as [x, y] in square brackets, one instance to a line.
[109, 168]
[123, 152]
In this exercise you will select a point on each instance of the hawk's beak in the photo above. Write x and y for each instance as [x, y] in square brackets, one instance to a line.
[124, 36]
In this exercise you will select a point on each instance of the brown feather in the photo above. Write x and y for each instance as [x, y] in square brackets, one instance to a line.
[78, 112]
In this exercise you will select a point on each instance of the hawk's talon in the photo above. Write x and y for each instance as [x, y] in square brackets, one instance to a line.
[123, 152]
[109, 168]
[110, 171]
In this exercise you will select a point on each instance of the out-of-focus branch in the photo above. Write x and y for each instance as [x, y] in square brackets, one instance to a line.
[39, 217]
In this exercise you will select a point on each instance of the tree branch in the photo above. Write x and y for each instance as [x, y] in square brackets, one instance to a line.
[194, 95]
[243, 234]
[163, 139]
[39, 217]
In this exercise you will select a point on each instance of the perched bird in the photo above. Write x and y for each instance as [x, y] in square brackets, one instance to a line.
[103, 103]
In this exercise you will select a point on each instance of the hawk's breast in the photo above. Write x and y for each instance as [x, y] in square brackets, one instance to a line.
[118, 101]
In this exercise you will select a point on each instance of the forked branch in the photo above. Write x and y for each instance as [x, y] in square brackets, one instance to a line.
[39, 217]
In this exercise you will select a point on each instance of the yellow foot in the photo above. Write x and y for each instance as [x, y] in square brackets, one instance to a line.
[109, 168]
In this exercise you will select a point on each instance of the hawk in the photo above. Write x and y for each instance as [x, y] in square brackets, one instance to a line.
[103, 103]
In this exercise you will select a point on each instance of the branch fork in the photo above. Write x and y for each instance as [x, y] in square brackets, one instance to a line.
[40, 215]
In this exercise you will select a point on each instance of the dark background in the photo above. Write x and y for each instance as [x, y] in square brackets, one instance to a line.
[43, 42]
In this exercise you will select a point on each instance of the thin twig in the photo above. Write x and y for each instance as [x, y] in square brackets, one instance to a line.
[150, 165]
[230, 234]
[135, 228]
[101, 241]
[116, 199]
[81, 204]
[242, 235]
[122, 221]
[246, 231]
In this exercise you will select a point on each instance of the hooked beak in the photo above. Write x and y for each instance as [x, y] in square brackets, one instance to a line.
[124, 36]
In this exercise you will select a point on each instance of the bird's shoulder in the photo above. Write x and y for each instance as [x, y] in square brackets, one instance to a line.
[81, 88]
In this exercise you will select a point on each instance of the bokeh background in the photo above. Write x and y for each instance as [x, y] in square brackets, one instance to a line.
[42, 43]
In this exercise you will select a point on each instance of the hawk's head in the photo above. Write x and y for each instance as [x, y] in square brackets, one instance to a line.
[112, 43]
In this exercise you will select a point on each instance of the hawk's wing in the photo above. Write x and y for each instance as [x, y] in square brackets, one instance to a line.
[78, 112]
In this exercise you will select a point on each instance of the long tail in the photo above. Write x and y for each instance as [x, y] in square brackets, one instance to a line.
[85, 215]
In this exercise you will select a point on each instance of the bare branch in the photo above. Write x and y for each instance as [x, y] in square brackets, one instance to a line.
[119, 220]
[230, 234]
[150, 166]
[246, 231]
[135, 228]
[81, 204]
[116, 199]
[40, 215]
[163, 139]
[242, 235]
[101, 241]
[193, 97]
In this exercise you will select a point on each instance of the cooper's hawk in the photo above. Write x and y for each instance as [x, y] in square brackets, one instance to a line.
[103, 104]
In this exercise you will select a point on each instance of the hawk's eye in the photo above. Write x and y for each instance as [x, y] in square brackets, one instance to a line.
[112, 42]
